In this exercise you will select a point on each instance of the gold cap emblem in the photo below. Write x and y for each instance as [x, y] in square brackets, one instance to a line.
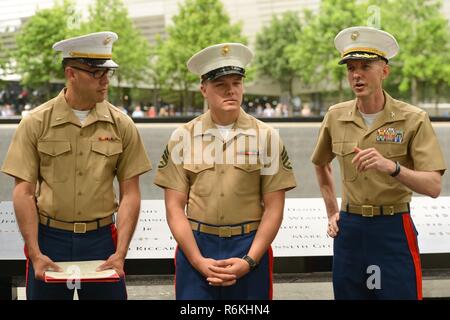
[225, 50]
[355, 35]
[107, 40]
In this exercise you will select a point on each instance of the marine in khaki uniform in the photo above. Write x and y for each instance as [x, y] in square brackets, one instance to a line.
[386, 150]
[225, 175]
[64, 157]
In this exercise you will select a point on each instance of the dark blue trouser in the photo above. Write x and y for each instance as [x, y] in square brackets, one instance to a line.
[191, 285]
[60, 246]
[376, 258]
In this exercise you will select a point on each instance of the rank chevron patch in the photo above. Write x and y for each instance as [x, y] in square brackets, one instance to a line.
[285, 159]
[164, 158]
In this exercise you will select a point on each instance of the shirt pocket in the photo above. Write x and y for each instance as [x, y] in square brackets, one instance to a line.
[105, 156]
[55, 160]
[344, 151]
[396, 151]
[246, 179]
[201, 177]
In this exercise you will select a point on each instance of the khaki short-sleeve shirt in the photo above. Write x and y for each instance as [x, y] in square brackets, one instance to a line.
[223, 191]
[74, 165]
[401, 133]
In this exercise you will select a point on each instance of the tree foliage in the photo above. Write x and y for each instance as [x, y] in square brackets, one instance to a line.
[314, 55]
[36, 61]
[423, 36]
[271, 49]
[38, 64]
[3, 62]
[132, 50]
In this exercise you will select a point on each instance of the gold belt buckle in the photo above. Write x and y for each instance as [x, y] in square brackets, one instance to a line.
[79, 227]
[367, 211]
[225, 232]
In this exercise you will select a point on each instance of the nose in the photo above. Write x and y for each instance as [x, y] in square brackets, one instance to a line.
[356, 74]
[104, 79]
[229, 89]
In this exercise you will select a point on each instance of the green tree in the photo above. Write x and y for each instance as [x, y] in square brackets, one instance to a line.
[35, 58]
[272, 55]
[3, 63]
[132, 50]
[314, 55]
[199, 23]
[423, 36]
[153, 72]
[3, 56]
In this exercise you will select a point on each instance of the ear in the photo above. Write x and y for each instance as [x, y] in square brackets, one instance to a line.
[386, 71]
[203, 88]
[68, 72]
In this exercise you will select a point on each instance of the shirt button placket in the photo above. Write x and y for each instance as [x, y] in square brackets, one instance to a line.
[79, 174]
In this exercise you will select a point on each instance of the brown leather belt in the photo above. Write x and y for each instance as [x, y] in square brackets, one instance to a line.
[371, 211]
[76, 227]
[225, 231]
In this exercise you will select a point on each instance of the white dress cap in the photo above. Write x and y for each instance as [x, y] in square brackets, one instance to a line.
[94, 49]
[365, 43]
[219, 60]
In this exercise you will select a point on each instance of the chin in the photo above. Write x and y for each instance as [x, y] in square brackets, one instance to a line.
[233, 109]
[101, 97]
[230, 107]
[360, 93]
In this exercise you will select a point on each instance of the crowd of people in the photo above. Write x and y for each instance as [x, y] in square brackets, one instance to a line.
[17, 102]
[150, 111]
[259, 110]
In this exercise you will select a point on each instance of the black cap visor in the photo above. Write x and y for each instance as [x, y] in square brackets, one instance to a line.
[223, 71]
[361, 56]
[97, 63]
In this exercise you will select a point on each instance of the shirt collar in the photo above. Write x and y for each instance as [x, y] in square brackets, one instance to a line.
[243, 123]
[63, 113]
[389, 114]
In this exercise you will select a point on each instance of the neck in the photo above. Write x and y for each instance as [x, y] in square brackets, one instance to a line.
[224, 118]
[371, 104]
[76, 101]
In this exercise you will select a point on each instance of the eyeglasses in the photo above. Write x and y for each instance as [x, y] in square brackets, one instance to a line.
[98, 74]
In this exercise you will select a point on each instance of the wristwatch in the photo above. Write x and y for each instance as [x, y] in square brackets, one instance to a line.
[252, 263]
[397, 169]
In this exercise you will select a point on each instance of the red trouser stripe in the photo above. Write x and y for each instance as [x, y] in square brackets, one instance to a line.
[414, 250]
[114, 234]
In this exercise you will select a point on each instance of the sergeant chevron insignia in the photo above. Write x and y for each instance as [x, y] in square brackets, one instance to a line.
[164, 158]
[285, 159]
